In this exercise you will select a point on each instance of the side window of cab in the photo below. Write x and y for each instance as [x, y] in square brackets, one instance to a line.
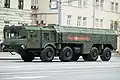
[46, 36]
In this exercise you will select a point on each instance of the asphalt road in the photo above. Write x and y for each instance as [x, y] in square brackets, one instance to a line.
[56, 70]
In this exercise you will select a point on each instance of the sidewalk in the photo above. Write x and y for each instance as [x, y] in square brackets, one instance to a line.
[9, 56]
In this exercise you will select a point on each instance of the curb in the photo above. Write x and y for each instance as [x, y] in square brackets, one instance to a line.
[8, 56]
[10, 59]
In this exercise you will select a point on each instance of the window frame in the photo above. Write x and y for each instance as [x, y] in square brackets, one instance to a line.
[97, 4]
[112, 6]
[96, 22]
[84, 21]
[69, 19]
[79, 3]
[20, 4]
[7, 4]
[101, 22]
[79, 21]
[69, 2]
[116, 7]
[101, 4]
[85, 3]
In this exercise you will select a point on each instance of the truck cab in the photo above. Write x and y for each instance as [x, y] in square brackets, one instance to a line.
[14, 37]
[28, 40]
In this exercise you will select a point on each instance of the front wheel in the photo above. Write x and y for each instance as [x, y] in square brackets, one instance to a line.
[47, 54]
[106, 54]
[27, 56]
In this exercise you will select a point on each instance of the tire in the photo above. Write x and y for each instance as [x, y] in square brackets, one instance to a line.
[27, 56]
[1, 47]
[47, 55]
[75, 57]
[66, 54]
[85, 57]
[106, 54]
[92, 56]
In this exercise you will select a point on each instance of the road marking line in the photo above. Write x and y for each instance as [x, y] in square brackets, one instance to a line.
[27, 77]
[30, 77]
[58, 71]
[11, 73]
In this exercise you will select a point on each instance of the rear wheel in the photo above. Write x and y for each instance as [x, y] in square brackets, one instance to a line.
[66, 54]
[47, 54]
[92, 56]
[106, 54]
[27, 56]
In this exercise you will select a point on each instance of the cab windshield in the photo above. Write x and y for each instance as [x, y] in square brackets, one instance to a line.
[15, 33]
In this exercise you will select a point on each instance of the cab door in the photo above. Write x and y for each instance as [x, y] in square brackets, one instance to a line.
[33, 39]
[48, 37]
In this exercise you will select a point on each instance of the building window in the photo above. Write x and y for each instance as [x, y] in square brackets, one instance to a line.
[7, 4]
[37, 22]
[84, 21]
[116, 7]
[69, 20]
[78, 21]
[36, 2]
[69, 2]
[112, 6]
[85, 3]
[53, 4]
[6, 22]
[101, 22]
[115, 25]
[79, 3]
[97, 4]
[111, 24]
[96, 20]
[101, 4]
[20, 4]
[35, 16]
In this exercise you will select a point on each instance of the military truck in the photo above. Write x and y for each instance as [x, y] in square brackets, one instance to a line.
[66, 42]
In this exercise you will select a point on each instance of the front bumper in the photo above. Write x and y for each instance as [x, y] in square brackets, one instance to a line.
[13, 45]
[11, 48]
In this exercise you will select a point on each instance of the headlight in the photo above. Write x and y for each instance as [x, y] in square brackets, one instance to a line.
[12, 34]
[3, 46]
[23, 46]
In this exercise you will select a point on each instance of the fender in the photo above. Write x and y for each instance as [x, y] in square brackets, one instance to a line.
[52, 45]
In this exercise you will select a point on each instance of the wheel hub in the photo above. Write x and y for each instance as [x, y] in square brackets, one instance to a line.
[67, 54]
[94, 54]
[49, 54]
[107, 54]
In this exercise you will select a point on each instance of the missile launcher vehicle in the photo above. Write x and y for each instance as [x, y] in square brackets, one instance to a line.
[66, 42]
